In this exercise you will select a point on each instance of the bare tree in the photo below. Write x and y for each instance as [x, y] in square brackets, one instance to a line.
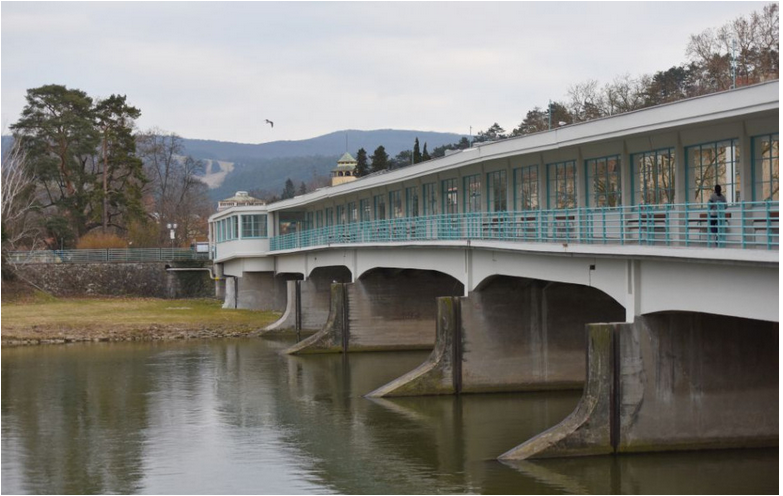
[585, 102]
[18, 202]
[175, 191]
[753, 44]
[766, 39]
[624, 94]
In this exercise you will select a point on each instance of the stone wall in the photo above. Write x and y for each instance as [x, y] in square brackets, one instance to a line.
[120, 279]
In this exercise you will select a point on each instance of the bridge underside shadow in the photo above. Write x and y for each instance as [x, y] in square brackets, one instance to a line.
[511, 334]
[385, 309]
[309, 300]
[671, 381]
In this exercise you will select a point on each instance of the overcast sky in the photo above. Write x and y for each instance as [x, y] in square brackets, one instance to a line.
[218, 70]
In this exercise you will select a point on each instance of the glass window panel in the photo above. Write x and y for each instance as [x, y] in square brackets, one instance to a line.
[710, 164]
[412, 202]
[380, 207]
[364, 209]
[496, 191]
[395, 204]
[526, 188]
[652, 177]
[603, 180]
[472, 189]
[430, 204]
[329, 216]
[766, 168]
[450, 196]
[353, 212]
[561, 178]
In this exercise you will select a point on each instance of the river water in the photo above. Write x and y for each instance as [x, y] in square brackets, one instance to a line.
[235, 416]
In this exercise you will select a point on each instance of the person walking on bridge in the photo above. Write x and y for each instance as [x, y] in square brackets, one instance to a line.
[716, 207]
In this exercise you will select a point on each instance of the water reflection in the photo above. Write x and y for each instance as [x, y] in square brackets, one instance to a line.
[235, 416]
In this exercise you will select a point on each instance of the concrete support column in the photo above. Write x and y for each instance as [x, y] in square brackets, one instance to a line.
[512, 335]
[746, 166]
[581, 180]
[681, 188]
[231, 291]
[442, 372]
[308, 304]
[671, 381]
[220, 289]
[260, 291]
[333, 338]
[385, 310]
[626, 173]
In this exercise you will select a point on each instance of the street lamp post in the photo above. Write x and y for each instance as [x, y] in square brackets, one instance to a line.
[171, 228]
[549, 112]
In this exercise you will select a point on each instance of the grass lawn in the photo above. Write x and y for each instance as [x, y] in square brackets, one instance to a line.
[79, 319]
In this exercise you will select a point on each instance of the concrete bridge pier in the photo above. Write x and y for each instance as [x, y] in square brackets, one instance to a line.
[511, 334]
[220, 289]
[309, 300]
[671, 381]
[255, 291]
[385, 309]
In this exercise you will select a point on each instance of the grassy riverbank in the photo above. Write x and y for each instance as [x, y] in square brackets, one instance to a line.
[44, 319]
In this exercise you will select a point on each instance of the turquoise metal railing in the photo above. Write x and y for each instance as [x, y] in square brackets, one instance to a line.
[104, 255]
[739, 225]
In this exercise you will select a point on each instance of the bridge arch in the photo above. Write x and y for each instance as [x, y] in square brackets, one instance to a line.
[336, 273]
[607, 275]
[447, 261]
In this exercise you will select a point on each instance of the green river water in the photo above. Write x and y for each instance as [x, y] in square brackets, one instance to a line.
[235, 416]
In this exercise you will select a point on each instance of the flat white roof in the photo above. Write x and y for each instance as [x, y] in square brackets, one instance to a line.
[734, 103]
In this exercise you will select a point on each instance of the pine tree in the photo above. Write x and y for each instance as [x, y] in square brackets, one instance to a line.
[362, 168]
[416, 152]
[424, 154]
[379, 159]
[288, 191]
[122, 172]
[83, 157]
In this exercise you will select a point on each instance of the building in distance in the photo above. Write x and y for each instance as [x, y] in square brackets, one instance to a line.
[240, 199]
[345, 171]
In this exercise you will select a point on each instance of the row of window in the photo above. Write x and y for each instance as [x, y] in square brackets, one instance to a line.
[652, 183]
[244, 226]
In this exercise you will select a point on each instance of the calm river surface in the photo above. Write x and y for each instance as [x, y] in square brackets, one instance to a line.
[234, 416]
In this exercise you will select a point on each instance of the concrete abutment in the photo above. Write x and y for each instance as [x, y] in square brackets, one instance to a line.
[386, 309]
[309, 300]
[255, 291]
[671, 381]
[512, 334]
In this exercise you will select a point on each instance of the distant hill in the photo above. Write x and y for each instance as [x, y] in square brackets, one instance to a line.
[330, 144]
[266, 166]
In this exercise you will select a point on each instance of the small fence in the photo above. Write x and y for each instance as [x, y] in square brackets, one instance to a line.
[739, 225]
[105, 255]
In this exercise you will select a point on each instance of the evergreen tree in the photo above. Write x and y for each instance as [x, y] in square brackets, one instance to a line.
[403, 159]
[122, 172]
[362, 168]
[495, 132]
[82, 156]
[462, 144]
[302, 188]
[416, 152]
[288, 191]
[424, 154]
[379, 159]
